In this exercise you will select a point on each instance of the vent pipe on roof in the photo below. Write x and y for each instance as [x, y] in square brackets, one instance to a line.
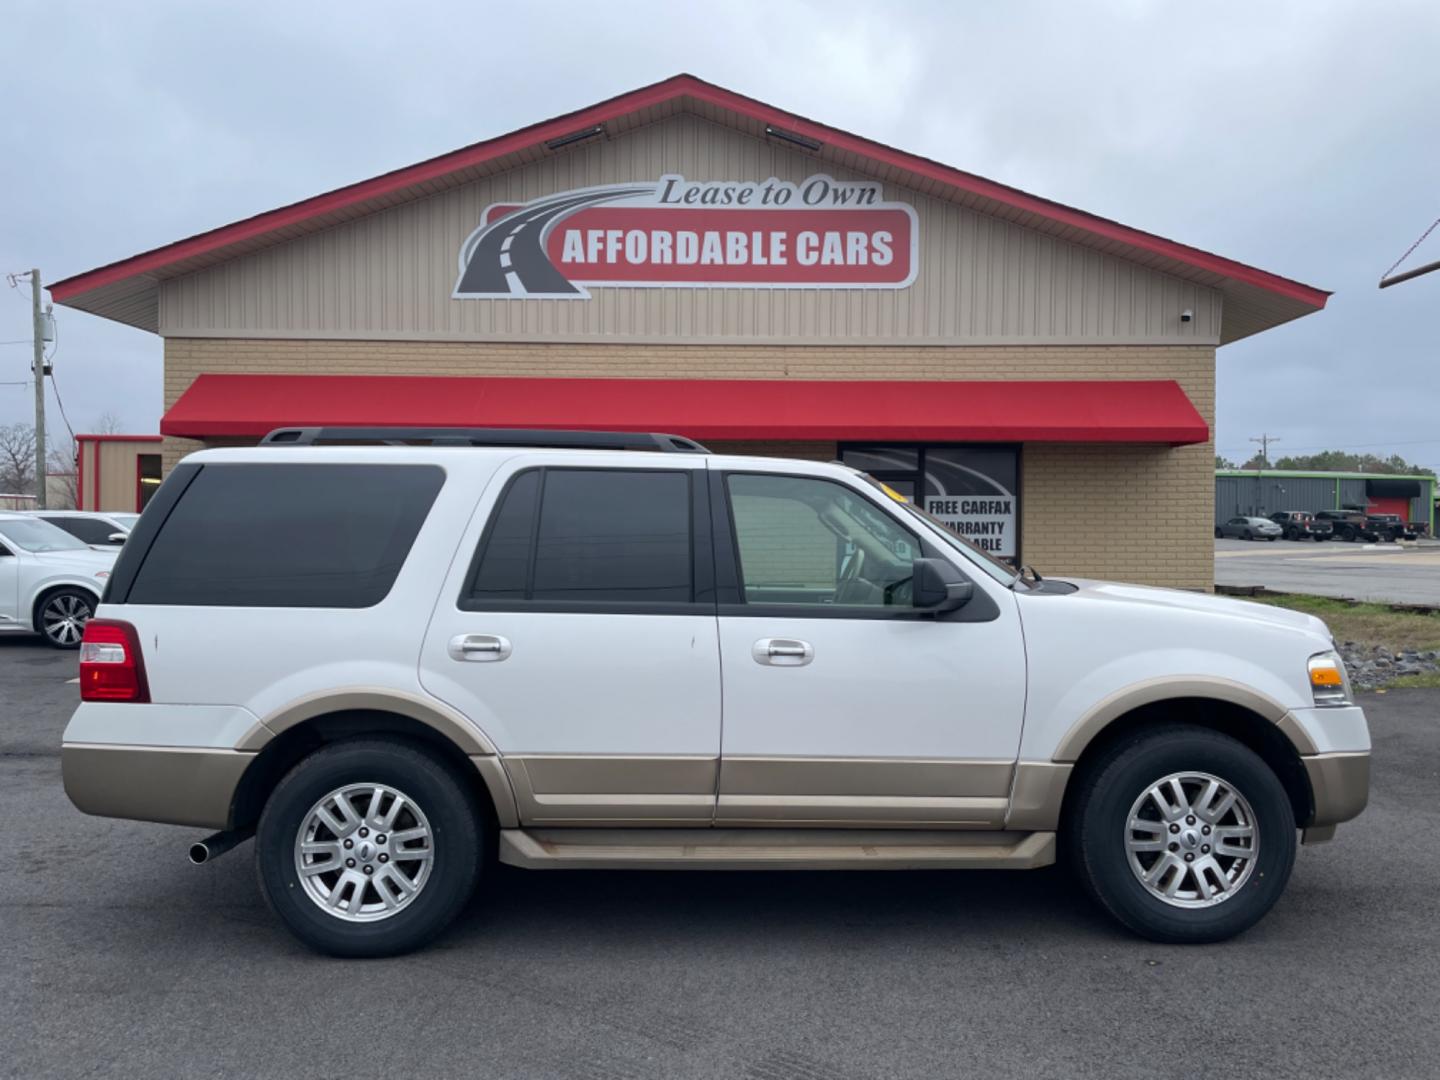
[791, 137]
[575, 137]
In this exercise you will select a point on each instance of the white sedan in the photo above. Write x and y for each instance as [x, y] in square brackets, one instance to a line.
[50, 582]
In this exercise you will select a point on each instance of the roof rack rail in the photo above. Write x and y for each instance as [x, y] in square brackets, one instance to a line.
[427, 436]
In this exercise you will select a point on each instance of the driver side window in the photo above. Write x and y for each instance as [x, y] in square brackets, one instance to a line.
[809, 541]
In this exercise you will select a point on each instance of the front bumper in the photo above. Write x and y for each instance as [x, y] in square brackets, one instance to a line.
[1334, 746]
[1339, 785]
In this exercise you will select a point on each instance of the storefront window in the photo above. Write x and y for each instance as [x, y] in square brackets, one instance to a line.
[147, 468]
[972, 490]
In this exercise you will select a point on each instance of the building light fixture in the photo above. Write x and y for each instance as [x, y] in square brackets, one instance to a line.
[575, 137]
[790, 137]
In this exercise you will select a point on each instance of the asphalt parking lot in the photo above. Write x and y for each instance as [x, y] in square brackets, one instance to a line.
[123, 960]
[1390, 573]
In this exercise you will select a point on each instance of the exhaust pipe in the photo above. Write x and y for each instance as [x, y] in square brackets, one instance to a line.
[212, 847]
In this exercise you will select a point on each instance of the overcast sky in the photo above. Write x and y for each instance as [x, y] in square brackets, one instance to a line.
[1300, 137]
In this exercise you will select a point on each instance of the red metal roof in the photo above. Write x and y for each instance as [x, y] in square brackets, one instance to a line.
[363, 196]
[248, 406]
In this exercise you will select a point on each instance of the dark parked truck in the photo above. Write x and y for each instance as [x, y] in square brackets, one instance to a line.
[1298, 525]
[1348, 524]
[1391, 527]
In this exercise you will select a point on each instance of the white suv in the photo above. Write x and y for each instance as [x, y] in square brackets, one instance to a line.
[387, 661]
[50, 582]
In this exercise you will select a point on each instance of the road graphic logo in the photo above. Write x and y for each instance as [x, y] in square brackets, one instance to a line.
[821, 233]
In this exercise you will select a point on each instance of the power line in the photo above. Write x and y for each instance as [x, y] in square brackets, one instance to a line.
[1340, 446]
[1265, 441]
[1385, 278]
[56, 386]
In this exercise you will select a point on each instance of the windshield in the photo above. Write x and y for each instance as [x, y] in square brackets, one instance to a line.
[1001, 571]
[39, 536]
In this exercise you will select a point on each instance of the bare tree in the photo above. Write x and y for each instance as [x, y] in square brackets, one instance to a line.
[17, 459]
[107, 423]
[60, 468]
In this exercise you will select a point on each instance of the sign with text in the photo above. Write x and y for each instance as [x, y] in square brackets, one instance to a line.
[821, 233]
[972, 490]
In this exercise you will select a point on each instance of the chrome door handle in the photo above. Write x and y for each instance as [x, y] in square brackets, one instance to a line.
[479, 647]
[783, 652]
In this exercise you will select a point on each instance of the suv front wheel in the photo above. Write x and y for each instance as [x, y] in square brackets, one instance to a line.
[369, 847]
[1183, 834]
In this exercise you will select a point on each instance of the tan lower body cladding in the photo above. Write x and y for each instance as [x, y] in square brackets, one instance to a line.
[1068, 491]
[580, 790]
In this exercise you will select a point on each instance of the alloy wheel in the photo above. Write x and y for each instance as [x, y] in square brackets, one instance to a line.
[1192, 839]
[63, 618]
[364, 852]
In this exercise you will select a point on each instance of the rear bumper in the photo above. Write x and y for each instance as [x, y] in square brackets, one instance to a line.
[175, 764]
[171, 785]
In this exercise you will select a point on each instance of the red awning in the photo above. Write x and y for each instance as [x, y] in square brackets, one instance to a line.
[248, 406]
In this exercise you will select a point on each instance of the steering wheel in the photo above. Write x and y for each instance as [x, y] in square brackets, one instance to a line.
[851, 572]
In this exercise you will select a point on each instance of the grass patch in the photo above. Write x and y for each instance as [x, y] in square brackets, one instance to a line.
[1370, 625]
[1429, 681]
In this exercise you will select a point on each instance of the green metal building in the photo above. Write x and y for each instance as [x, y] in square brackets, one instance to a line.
[1262, 492]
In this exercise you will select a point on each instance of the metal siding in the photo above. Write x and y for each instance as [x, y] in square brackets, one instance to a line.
[981, 279]
[116, 463]
[1352, 493]
[1263, 495]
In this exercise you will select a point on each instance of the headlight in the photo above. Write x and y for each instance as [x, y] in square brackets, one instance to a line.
[1329, 682]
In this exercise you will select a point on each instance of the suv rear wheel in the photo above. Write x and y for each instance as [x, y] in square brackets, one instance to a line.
[1183, 834]
[369, 848]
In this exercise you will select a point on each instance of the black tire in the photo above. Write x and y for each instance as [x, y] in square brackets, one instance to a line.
[1317, 538]
[1272, 539]
[61, 615]
[457, 825]
[1218, 534]
[1095, 832]
[1347, 533]
[1248, 535]
[1293, 534]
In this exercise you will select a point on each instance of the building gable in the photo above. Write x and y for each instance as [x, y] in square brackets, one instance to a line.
[975, 279]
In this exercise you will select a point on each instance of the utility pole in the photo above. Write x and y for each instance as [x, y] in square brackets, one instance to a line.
[1265, 441]
[39, 328]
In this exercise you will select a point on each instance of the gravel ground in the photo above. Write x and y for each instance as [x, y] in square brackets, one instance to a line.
[1370, 666]
[121, 960]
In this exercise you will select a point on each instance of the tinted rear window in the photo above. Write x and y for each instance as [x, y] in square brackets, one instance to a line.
[278, 535]
[614, 536]
[588, 536]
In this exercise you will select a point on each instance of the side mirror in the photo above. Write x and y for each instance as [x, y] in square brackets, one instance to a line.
[937, 586]
[117, 538]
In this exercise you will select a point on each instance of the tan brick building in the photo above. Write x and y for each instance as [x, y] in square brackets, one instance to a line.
[682, 258]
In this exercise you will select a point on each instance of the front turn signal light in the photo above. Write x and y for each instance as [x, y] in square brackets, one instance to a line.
[1329, 683]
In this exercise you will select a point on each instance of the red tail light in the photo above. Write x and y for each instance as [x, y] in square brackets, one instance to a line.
[111, 667]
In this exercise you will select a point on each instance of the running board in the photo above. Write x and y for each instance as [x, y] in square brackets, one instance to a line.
[774, 849]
